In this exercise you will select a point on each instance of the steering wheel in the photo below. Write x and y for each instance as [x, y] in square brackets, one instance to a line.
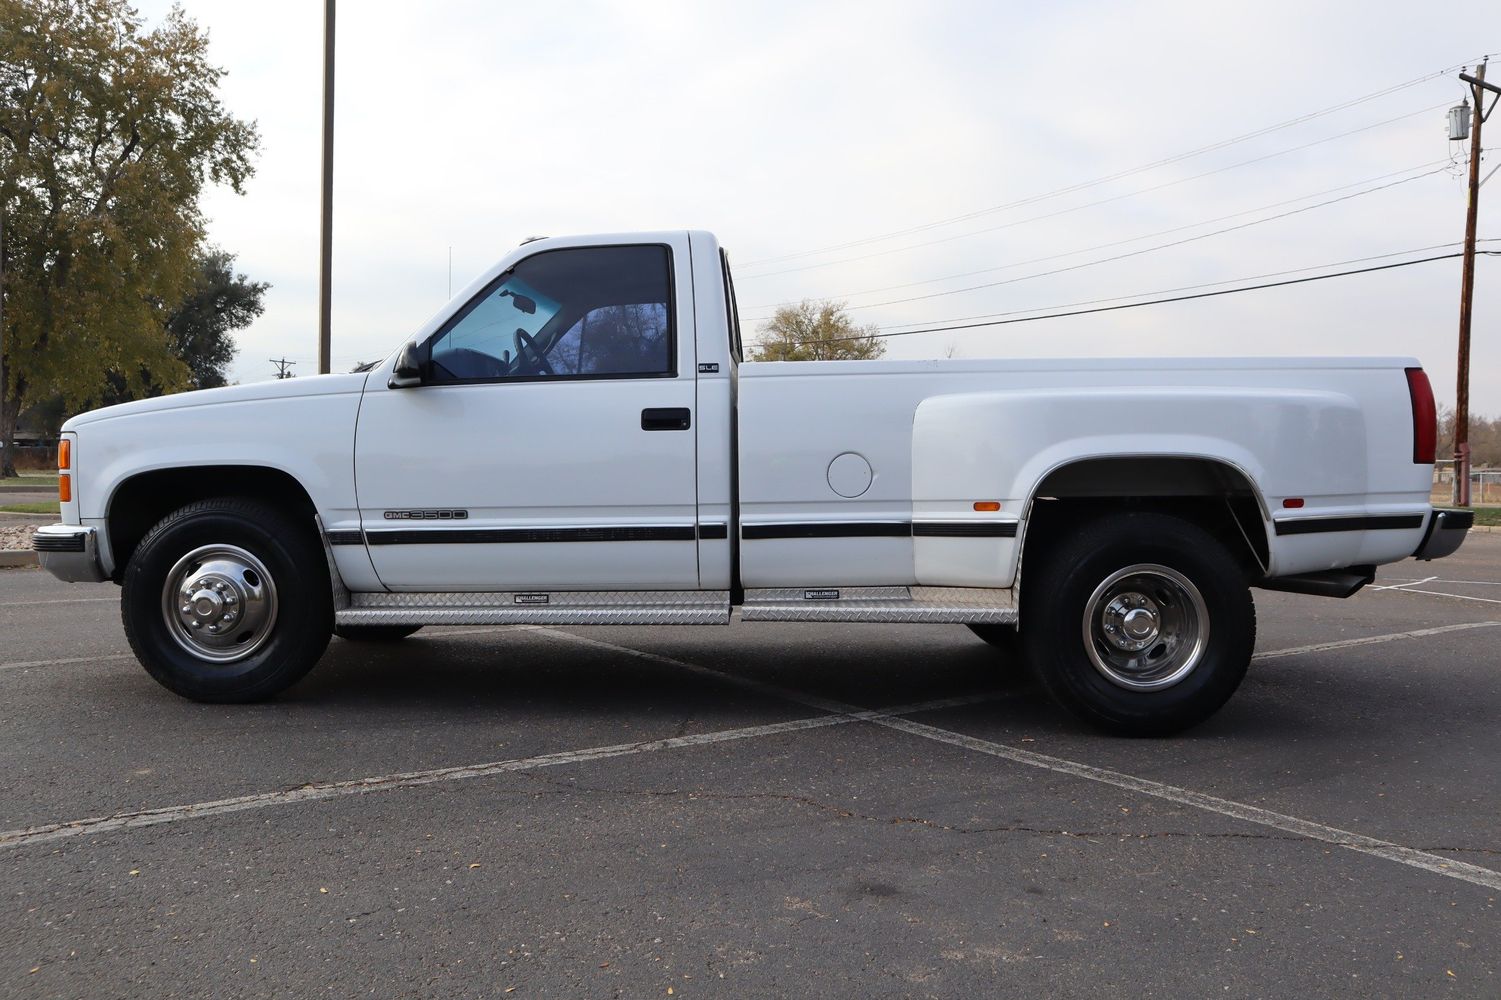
[527, 347]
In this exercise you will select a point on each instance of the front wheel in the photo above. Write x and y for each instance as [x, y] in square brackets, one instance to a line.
[227, 600]
[1141, 624]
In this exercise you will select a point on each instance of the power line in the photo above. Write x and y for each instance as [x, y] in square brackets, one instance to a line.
[1158, 302]
[1097, 203]
[1187, 288]
[1083, 185]
[1116, 243]
[283, 368]
[1144, 250]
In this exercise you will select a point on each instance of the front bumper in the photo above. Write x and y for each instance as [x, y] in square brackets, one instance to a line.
[1446, 530]
[69, 552]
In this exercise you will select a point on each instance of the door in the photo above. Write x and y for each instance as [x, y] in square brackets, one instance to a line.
[550, 445]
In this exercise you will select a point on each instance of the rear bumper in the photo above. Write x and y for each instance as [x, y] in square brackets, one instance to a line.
[1446, 530]
[69, 552]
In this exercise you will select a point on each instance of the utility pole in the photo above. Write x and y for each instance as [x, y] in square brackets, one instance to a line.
[1478, 88]
[283, 368]
[326, 233]
[5, 459]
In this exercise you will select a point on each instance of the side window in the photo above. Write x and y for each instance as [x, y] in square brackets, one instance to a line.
[589, 312]
[732, 307]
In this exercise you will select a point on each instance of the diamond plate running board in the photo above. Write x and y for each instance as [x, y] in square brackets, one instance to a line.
[537, 607]
[881, 604]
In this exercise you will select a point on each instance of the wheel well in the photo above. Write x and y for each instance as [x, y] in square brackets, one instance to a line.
[1215, 495]
[143, 500]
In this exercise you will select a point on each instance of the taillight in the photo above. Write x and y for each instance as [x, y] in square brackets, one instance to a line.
[1424, 417]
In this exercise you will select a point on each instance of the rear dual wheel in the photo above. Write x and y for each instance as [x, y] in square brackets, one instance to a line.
[1141, 624]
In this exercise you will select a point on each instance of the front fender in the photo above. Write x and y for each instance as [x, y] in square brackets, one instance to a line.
[309, 437]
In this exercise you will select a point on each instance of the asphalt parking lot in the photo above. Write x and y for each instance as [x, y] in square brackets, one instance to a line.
[766, 810]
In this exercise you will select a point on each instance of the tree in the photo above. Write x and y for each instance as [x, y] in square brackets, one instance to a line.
[199, 335]
[1485, 438]
[199, 332]
[816, 331]
[108, 134]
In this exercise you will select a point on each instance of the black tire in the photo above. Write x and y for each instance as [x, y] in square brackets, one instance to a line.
[374, 633]
[1005, 639]
[1112, 688]
[274, 554]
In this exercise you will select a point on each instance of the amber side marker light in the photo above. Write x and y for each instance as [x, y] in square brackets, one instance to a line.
[64, 463]
[987, 506]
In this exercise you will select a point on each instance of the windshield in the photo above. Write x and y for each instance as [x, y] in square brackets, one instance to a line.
[490, 327]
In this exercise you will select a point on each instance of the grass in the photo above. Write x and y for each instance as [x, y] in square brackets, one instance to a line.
[28, 484]
[50, 507]
[1488, 516]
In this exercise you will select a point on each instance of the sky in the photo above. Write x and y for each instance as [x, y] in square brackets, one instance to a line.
[909, 130]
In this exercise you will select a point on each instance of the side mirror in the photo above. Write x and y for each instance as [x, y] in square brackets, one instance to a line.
[408, 371]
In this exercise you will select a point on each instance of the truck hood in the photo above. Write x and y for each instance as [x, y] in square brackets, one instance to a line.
[315, 385]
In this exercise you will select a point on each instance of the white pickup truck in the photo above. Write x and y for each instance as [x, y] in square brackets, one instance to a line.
[577, 440]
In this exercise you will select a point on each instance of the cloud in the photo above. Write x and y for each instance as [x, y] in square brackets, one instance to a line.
[789, 126]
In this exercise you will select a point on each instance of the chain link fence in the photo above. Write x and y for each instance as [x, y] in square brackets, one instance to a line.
[1485, 484]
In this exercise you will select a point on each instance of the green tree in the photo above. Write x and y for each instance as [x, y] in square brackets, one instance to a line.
[108, 134]
[200, 331]
[816, 331]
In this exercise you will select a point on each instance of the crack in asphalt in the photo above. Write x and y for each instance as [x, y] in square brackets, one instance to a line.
[564, 787]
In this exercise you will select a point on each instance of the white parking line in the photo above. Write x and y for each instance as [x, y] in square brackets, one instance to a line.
[1434, 579]
[25, 664]
[61, 600]
[360, 786]
[1437, 864]
[1409, 583]
[840, 713]
[1370, 640]
[1440, 593]
[1271, 654]
[1410, 587]
[1333, 836]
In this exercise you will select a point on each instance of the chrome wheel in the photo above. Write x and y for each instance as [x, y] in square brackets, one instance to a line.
[219, 603]
[1146, 627]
